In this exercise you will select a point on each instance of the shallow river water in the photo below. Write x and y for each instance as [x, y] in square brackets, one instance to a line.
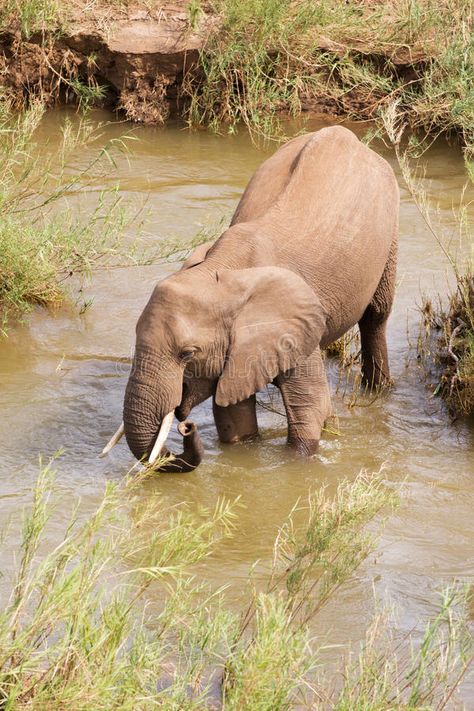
[59, 390]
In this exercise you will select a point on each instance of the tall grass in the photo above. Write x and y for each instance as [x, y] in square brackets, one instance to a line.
[45, 237]
[80, 631]
[447, 336]
[75, 633]
[269, 56]
[317, 549]
[43, 240]
[394, 674]
[265, 57]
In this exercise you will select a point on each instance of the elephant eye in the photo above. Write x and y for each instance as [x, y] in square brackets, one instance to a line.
[186, 354]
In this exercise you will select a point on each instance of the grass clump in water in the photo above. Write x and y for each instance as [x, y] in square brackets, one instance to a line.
[454, 349]
[453, 354]
[80, 629]
[43, 241]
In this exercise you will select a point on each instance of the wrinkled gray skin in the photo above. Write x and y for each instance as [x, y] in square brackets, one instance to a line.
[311, 251]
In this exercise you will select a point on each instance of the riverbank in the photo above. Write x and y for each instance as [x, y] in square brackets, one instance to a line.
[219, 63]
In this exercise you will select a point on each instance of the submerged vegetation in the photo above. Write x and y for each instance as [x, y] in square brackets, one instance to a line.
[80, 629]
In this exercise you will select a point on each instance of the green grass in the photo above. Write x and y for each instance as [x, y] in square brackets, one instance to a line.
[43, 241]
[446, 341]
[31, 15]
[270, 56]
[80, 631]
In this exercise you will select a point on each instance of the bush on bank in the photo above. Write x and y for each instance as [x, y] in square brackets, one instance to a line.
[43, 240]
[265, 57]
[346, 58]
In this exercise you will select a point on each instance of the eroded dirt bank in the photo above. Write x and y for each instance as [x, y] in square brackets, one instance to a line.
[148, 63]
[139, 59]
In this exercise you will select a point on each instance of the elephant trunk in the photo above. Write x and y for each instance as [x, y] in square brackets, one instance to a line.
[142, 444]
[141, 426]
[192, 453]
[148, 413]
[153, 391]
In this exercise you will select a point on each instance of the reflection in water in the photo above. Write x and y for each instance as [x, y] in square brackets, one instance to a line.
[62, 384]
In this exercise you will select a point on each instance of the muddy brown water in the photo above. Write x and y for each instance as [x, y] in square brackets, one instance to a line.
[59, 390]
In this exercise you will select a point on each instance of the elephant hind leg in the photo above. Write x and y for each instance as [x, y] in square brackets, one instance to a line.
[372, 326]
[375, 366]
[236, 423]
[307, 401]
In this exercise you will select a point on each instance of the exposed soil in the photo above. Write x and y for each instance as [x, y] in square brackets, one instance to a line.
[143, 58]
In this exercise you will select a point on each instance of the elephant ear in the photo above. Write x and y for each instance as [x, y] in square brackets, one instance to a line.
[277, 320]
[197, 256]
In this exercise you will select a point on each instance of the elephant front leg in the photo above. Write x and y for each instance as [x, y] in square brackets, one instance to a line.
[307, 401]
[236, 423]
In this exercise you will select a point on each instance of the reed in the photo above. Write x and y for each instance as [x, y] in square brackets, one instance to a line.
[265, 59]
[79, 629]
[269, 57]
[446, 341]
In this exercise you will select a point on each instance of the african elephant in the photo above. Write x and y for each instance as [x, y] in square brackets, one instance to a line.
[310, 252]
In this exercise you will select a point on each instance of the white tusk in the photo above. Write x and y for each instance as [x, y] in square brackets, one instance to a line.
[116, 438]
[162, 436]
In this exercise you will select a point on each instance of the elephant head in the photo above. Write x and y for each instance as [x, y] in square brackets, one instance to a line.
[204, 332]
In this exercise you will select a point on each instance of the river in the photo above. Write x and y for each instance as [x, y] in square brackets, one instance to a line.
[60, 387]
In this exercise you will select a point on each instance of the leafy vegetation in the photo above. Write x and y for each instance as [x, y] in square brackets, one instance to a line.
[42, 240]
[453, 351]
[349, 58]
[265, 57]
[77, 631]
